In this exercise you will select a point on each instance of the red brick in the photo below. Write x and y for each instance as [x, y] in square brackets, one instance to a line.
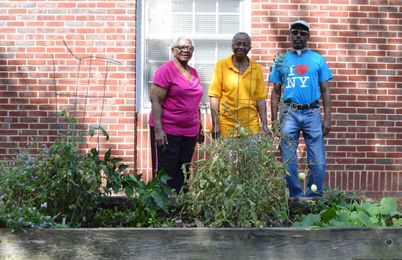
[363, 181]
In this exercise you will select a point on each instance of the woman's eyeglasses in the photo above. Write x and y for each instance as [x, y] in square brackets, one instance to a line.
[302, 32]
[183, 47]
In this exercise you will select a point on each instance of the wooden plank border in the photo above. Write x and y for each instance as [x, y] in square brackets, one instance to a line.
[203, 243]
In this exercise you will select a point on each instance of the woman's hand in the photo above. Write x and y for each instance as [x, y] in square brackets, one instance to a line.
[161, 138]
[201, 136]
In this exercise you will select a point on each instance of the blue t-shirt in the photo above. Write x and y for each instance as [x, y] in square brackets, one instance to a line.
[300, 76]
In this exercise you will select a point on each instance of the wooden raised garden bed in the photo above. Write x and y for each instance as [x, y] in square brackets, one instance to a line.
[203, 243]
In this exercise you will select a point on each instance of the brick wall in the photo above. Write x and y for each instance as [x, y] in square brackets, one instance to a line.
[38, 78]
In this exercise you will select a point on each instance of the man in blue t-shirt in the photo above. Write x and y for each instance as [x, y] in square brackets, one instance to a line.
[303, 75]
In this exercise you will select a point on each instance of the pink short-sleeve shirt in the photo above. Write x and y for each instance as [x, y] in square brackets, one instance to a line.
[180, 115]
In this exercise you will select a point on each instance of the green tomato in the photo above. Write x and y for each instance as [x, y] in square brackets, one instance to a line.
[302, 176]
[242, 132]
[314, 188]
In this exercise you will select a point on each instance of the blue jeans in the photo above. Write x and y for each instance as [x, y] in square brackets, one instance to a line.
[310, 123]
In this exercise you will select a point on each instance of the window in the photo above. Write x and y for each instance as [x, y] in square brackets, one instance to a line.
[210, 23]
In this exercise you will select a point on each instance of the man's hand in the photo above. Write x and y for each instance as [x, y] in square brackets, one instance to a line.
[276, 128]
[326, 101]
[326, 126]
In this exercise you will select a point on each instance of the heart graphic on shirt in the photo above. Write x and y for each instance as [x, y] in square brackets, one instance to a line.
[301, 69]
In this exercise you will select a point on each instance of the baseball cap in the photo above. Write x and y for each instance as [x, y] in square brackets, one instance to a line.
[301, 22]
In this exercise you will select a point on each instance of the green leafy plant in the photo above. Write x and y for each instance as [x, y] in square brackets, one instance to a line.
[71, 184]
[239, 184]
[20, 217]
[150, 198]
[21, 201]
[332, 198]
[117, 217]
[146, 201]
[355, 213]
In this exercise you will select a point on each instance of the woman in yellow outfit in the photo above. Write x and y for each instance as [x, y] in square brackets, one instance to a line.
[238, 92]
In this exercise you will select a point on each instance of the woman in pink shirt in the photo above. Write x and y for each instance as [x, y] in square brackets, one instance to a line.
[175, 95]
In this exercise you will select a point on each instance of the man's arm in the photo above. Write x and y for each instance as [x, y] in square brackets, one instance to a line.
[326, 101]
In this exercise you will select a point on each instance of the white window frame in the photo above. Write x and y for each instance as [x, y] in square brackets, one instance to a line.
[141, 81]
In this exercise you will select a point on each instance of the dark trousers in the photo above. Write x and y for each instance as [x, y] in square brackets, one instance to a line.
[179, 151]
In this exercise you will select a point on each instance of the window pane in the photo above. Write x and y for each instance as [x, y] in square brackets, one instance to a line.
[158, 24]
[181, 5]
[145, 94]
[157, 50]
[205, 72]
[205, 24]
[205, 51]
[149, 76]
[229, 24]
[181, 24]
[153, 66]
[224, 48]
[205, 6]
[155, 6]
[229, 6]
